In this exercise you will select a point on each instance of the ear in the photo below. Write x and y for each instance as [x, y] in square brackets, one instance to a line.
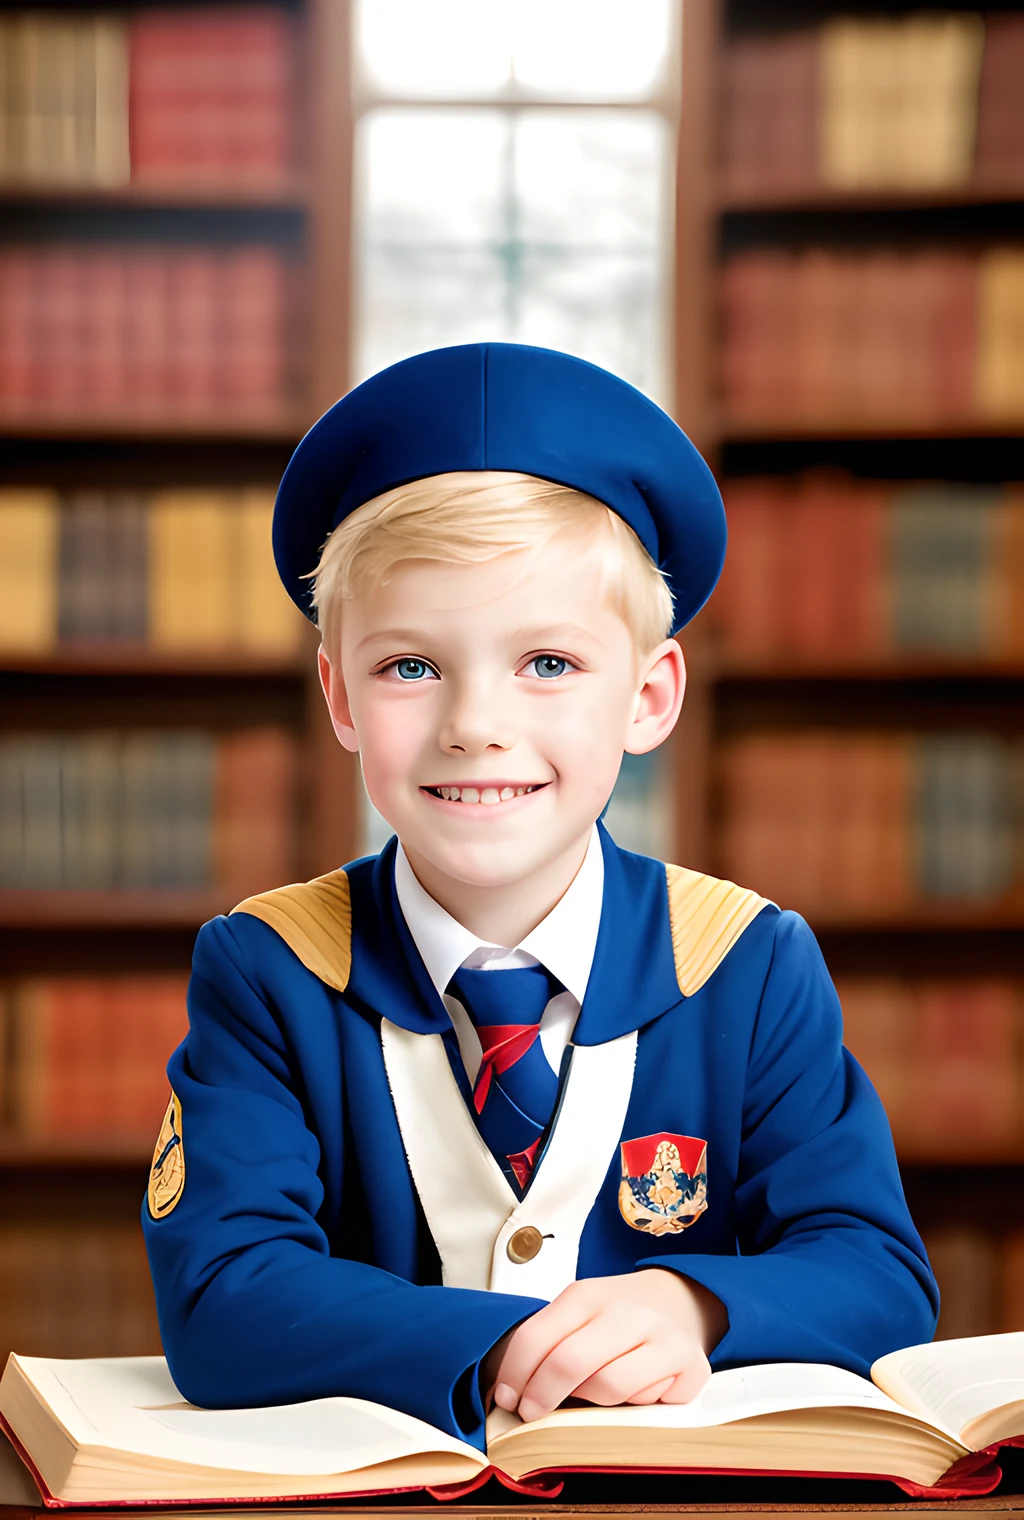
[661, 684]
[337, 702]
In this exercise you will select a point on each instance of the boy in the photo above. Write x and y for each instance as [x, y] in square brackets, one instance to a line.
[507, 1112]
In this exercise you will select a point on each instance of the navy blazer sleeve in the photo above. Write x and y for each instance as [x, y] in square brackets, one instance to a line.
[829, 1267]
[253, 1307]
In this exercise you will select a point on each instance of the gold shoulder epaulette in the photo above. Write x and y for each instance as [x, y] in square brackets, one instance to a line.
[314, 918]
[707, 917]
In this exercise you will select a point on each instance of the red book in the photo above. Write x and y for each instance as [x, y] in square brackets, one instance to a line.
[212, 95]
[967, 1073]
[18, 344]
[104, 331]
[768, 116]
[254, 818]
[195, 354]
[747, 600]
[148, 328]
[999, 151]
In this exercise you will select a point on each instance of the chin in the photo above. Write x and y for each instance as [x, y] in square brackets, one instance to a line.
[491, 863]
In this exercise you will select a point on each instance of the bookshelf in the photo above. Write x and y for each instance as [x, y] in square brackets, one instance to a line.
[95, 1181]
[70, 1200]
[785, 208]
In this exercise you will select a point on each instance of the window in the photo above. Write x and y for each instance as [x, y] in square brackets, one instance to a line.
[514, 181]
[514, 176]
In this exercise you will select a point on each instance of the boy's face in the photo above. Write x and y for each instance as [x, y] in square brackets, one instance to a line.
[491, 705]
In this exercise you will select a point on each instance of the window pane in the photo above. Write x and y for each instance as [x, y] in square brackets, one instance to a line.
[592, 49]
[542, 226]
[433, 48]
[480, 49]
[640, 814]
[432, 176]
[591, 178]
[605, 308]
[411, 300]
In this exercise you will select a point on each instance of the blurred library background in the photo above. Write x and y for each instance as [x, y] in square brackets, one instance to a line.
[797, 224]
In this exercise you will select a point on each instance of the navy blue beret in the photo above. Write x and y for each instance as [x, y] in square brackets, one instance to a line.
[504, 406]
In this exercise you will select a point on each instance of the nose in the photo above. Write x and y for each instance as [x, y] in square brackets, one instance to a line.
[473, 724]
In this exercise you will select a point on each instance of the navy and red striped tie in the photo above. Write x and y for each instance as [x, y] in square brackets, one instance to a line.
[515, 1091]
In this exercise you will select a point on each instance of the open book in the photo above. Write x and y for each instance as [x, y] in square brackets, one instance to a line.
[117, 1431]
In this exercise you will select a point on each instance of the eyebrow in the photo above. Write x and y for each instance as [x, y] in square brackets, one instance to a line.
[547, 634]
[552, 633]
[410, 636]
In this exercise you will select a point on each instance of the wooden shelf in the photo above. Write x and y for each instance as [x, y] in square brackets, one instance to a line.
[795, 666]
[283, 195]
[58, 1153]
[112, 658]
[752, 194]
[114, 907]
[764, 427]
[279, 425]
[964, 1155]
[938, 916]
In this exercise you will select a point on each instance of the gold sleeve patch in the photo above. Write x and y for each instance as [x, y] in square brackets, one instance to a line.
[167, 1174]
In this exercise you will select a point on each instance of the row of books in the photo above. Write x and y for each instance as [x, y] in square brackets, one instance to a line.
[175, 570]
[85, 1057]
[156, 808]
[925, 100]
[947, 1059]
[834, 822]
[145, 329]
[824, 565]
[163, 97]
[72, 1287]
[981, 1279]
[933, 337]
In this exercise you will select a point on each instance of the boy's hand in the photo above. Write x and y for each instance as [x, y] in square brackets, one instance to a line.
[641, 1338]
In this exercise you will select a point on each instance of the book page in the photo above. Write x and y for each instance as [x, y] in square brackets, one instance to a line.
[130, 1404]
[741, 1393]
[955, 1383]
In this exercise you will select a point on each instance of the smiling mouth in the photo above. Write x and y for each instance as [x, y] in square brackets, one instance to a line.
[488, 796]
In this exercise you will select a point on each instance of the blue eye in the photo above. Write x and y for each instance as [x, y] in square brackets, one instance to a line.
[549, 665]
[412, 670]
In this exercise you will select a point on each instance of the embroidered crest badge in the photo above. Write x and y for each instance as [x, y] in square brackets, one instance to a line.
[664, 1187]
[167, 1174]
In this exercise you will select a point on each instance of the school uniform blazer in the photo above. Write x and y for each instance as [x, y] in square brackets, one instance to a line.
[295, 1257]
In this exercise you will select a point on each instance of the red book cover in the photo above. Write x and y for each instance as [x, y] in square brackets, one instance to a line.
[254, 810]
[195, 356]
[18, 341]
[760, 307]
[768, 116]
[212, 95]
[749, 595]
[148, 329]
[967, 1071]
[105, 330]
[999, 149]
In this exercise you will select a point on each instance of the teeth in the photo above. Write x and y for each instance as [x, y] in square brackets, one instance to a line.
[489, 795]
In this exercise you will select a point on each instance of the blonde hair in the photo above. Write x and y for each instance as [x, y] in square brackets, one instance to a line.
[471, 516]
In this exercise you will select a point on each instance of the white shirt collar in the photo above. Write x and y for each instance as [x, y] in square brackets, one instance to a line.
[564, 941]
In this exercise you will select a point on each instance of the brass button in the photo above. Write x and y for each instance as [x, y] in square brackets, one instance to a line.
[524, 1244]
